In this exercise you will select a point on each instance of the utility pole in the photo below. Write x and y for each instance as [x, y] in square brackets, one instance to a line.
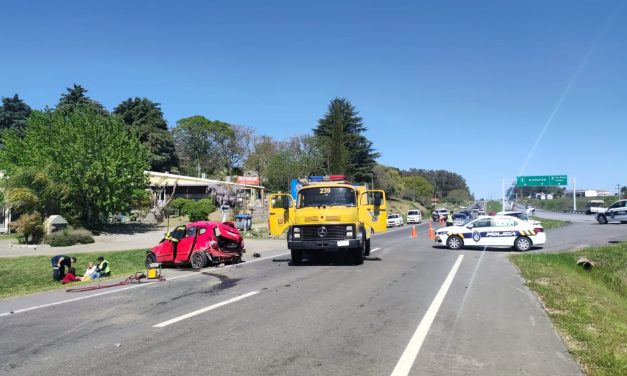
[574, 195]
[618, 190]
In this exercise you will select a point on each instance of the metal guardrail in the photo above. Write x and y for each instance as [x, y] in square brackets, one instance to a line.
[565, 211]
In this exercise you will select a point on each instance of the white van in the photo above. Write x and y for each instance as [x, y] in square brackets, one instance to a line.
[414, 216]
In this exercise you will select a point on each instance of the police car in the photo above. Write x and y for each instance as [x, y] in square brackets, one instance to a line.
[617, 212]
[492, 231]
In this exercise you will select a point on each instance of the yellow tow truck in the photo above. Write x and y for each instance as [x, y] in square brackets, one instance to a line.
[328, 215]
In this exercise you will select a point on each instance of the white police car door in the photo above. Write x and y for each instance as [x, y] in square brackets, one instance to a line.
[480, 229]
[617, 211]
[505, 230]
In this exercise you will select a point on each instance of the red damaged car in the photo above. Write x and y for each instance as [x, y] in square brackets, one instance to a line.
[199, 244]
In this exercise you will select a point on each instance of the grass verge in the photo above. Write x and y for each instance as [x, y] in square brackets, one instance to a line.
[30, 274]
[588, 307]
[550, 223]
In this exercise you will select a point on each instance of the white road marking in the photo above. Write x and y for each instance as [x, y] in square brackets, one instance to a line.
[203, 310]
[403, 367]
[126, 288]
[74, 299]
[375, 250]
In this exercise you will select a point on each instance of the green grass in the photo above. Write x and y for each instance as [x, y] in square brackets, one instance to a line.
[30, 274]
[588, 308]
[566, 203]
[9, 236]
[493, 206]
[550, 223]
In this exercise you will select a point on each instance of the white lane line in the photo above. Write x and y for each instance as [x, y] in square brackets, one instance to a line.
[203, 310]
[411, 351]
[127, 288]
[74, 299]
[374, 250]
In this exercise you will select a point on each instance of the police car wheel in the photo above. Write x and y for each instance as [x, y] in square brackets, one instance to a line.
[454, 242]
[602, 219]
[522, 243]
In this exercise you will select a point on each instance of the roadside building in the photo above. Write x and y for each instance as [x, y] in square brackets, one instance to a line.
[245, 189]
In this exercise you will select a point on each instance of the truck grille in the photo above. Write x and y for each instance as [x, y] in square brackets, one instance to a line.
[333, 232]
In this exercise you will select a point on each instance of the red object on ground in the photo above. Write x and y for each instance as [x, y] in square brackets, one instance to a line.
[200, 244]
[69, 277]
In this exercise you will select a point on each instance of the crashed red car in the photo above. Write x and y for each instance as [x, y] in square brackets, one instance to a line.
[199, 244]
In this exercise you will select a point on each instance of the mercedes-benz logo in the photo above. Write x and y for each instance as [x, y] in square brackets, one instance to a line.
[322, 232]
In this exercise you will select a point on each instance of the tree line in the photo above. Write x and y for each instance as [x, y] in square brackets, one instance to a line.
[85, 162]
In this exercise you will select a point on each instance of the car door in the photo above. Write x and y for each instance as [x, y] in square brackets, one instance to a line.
[617, 211]
[505, 230]
[373, 210]
[281, 213]
[186, 245]
[481, 229]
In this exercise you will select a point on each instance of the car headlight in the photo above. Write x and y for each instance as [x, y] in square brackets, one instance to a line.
[296, 229]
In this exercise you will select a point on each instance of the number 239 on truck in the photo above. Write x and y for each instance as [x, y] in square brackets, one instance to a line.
[328, 215]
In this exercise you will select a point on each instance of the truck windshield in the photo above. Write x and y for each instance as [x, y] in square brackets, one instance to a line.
[326, 196]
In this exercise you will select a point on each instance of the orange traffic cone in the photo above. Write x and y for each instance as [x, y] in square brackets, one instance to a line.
[413, 231]
[431, 234]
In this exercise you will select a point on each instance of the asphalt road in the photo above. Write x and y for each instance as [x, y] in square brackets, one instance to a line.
[410, 309]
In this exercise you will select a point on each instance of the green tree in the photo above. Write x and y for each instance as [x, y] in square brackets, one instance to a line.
[417, 188]
[76, 98]
[340, 134]
[298, 157]
[201, 143]
[443, 181]
[457, 196]
[264, 148]
[94, 163]
[146, 118]
[13, 115]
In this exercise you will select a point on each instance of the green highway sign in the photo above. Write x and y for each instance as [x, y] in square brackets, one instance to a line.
[541, 181]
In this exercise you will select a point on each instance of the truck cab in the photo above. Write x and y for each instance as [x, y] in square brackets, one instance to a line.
[330, 215]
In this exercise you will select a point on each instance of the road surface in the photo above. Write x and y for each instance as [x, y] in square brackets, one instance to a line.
[410, 309]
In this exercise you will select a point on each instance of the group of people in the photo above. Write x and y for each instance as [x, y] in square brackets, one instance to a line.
[93, 271]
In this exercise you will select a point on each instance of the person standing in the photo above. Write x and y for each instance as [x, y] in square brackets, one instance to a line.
[449, 219]
[59, 263]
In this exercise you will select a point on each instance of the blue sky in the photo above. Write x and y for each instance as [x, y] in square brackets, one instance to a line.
[469, 87]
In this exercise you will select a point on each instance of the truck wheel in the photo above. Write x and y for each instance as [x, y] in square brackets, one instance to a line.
[297, 256]
[522, 244]
[367, 252]
[602, 219]
[198, 260]
[454, 242]
[151, 258]
[358, 255]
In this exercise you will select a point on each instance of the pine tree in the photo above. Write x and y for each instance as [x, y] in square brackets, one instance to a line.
[146, 118]
[13, 115]
[75, 97]
[341, 139]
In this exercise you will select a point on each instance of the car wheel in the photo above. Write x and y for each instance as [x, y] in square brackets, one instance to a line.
[454, 242]
[297, 256]
[151, 258]
[522, 244]
[358, 254]
[198, 260]
[623, 222]
[602, 219]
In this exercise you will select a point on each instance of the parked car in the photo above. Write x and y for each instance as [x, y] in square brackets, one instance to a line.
[437, 213]
[617, 212]
[520, 215]
[414, 216]
[490, 231]
[460, 218]
[199, 244]
[594, 206]
[395, 220]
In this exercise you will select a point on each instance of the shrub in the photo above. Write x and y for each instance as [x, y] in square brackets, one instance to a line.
[199, 210]
[29, 227]
[179, 204]
[67, 238]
